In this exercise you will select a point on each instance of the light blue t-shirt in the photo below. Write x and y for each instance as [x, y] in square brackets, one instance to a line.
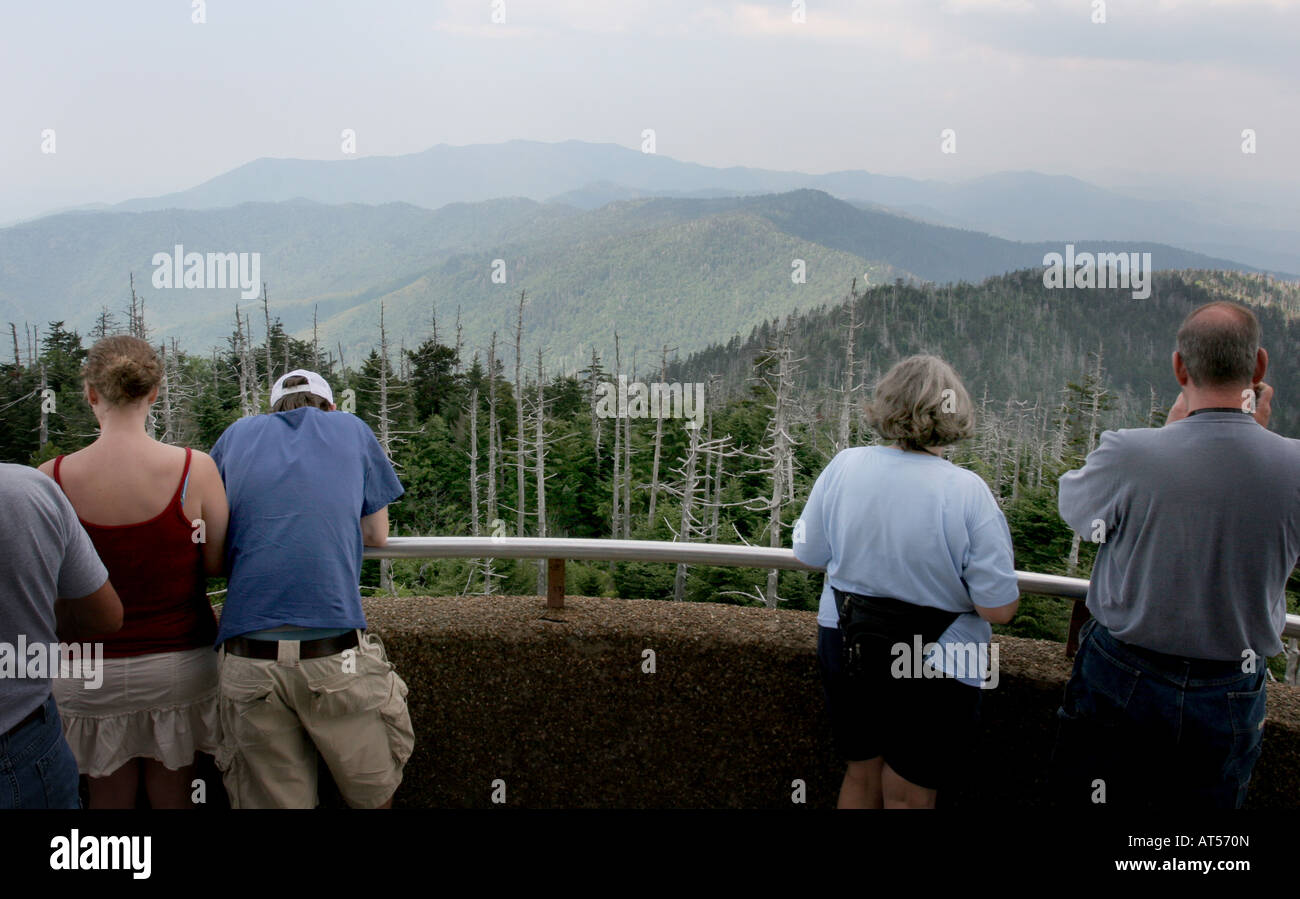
[299, 483]
[883, 521]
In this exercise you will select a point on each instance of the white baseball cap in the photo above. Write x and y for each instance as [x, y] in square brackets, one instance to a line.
[315, 384]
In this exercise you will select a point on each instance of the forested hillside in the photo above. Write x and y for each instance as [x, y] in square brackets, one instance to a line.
[1018, 344]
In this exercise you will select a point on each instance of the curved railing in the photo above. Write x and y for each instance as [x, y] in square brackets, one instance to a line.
[558, 549]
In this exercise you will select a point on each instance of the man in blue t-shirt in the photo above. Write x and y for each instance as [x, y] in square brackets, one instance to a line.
[308, 487]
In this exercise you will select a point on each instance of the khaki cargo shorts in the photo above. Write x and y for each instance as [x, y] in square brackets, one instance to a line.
[276, 715]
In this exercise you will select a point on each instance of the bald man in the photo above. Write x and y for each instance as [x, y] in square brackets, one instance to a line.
[1198, 526]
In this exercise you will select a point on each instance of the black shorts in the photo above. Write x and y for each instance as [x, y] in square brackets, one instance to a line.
[925, 728]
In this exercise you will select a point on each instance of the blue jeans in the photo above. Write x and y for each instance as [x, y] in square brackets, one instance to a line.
[37, 769]
[1143, 729]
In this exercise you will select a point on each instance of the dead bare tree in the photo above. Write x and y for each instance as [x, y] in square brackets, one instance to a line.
[474, 527]
[135, 324]
[460, 340]
[315, 340]
[1018, 441]
[539, 466]
[473, 463]
[165, 399]
[724, 450]
[693, 493]
[266, 309]
[614, 525]
[777, 455]
[43, 434]
[849, 389]
[248, 404]
[687, 519]
[387, 435]
[592, 383]
[627, 472]
[1091, 407]
[540, 443]
[659, 438]
[486, 566]
[493, 433]
[520, 451]
[105, 325]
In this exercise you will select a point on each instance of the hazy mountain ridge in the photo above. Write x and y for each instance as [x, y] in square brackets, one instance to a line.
[1025, 206]
[662, 270]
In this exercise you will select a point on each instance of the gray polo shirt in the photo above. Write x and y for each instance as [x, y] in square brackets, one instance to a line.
[1202, 529]
[44, 553]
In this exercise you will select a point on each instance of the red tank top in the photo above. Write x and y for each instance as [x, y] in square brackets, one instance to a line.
[157, 570]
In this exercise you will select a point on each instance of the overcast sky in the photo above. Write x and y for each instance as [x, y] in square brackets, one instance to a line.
[143, 101]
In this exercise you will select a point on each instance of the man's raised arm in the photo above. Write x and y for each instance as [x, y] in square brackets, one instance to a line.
[1087, 499]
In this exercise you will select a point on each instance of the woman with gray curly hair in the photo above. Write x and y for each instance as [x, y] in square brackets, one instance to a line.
[918, 562]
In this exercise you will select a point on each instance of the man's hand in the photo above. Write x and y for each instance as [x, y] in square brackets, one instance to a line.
[1178, 411]
[1263, 403]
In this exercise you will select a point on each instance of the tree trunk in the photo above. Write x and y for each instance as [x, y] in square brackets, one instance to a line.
[659, 439]
[519, 420]
[539, 449]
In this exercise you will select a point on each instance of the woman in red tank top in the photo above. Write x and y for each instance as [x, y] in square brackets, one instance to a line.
[156, 706]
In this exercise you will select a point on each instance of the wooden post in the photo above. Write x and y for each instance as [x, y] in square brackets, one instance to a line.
[554, 583]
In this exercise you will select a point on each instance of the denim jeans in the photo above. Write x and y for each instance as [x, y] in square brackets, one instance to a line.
[37, 769]
[1142, 729]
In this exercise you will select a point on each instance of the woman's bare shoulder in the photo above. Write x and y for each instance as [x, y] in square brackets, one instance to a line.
[204, 468]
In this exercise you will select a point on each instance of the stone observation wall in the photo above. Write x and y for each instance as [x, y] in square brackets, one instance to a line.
[556, 704]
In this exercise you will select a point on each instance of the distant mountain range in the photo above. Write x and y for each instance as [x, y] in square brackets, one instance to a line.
[668, 270]
[1024, 206]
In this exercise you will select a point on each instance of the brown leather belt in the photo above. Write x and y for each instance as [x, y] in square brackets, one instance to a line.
[33, 715]
[307, 649]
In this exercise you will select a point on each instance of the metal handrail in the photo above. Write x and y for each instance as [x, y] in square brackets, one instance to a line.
[558, 549]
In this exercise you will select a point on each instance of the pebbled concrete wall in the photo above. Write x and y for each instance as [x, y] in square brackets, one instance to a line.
[556, 704]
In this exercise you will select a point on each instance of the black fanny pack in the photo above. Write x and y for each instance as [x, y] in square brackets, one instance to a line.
[871, 625]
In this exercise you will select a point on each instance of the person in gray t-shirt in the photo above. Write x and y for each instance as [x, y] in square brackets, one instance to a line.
[51, 581]
[1199, 527]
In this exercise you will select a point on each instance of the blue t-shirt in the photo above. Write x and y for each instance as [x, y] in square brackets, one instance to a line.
[886, 522]
[299, 483]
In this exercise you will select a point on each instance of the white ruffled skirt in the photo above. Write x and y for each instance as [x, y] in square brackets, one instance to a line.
[161, 706]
